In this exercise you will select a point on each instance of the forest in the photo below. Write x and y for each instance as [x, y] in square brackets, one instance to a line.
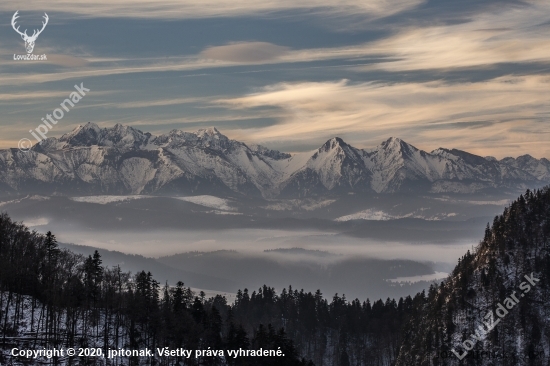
[53, 298]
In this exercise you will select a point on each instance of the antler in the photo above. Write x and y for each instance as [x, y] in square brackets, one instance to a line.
[13, 21]
[35, 34]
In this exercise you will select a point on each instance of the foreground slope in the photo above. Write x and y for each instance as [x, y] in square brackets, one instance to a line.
[493, 309]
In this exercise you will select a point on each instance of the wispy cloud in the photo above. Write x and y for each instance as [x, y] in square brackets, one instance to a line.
[182, 122]
[28, 96]
[511, 110]
[509, 35]
[185, 9]
[159, 103]
[146, 66]
[43, 96]
[516, 35]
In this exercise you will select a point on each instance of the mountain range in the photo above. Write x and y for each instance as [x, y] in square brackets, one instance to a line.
[125, 160]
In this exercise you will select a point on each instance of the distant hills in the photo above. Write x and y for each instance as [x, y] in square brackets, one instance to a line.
[124, 160]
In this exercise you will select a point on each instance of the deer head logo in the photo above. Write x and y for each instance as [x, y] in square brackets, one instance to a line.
[29, 40]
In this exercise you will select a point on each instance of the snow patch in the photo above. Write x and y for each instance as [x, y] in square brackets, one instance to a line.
[39, 198]
[33, 198]
[103, 200]
[378, 215]
[217, 212]
[208, 201]
[414, 279]
[495, 203]
[308, 205]
[370, 214]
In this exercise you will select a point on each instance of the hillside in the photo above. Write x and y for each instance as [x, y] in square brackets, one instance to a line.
[493, 308]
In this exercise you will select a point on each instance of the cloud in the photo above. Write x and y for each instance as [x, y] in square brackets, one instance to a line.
[182, 121]
[187, 9]
[510, 35]
[247, 52]
[495, 117]
[11, 97]
[109, 68]
[159, 103]
[507, 35]
[46, 95]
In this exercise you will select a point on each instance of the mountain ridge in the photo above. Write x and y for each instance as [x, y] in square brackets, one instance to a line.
[125, 160]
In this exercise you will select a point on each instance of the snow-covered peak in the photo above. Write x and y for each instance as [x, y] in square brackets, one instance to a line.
[210, 132]
[83, 135]
[460, 155]
[91, 134]
[396, 164]
[445, 154]
[334, 164]
[336, 149]
[393, 140]
[333, 143]
[397, 145]
[439, 151]
[123, 136]
[212, 138]
[538, 168]
[174, 138]
[209, 138]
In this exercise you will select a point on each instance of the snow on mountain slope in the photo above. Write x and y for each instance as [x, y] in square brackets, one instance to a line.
[369, 214]
[464, 165]
[336, 160]
[289, 166]
[19, 169]
[335, 166]
[209, 201]
[233, 162]
[202, 200]
[537, 168]
[124, 160]
[394, 162]
[103, 200]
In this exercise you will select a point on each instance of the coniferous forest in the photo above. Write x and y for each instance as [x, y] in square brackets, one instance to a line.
[53, 298]
[496, 300]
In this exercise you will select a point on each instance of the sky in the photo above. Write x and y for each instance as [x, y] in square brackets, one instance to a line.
[472, 75]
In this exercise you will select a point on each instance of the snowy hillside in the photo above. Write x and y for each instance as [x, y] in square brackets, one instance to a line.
[494, 304]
